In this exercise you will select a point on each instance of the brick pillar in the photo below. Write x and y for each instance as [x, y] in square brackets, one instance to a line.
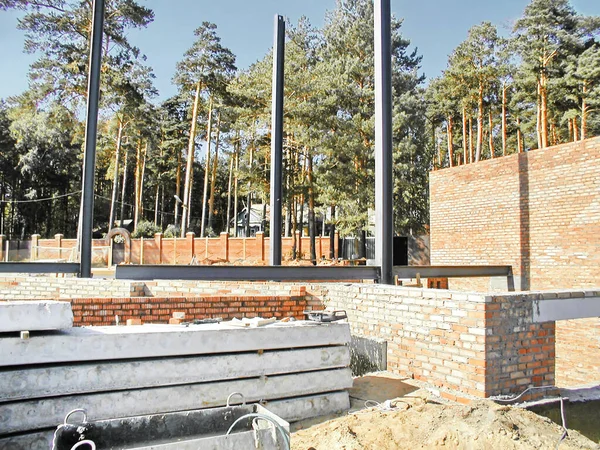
[2, 245]
[224, 236]
[260, 236]
[190, 236]
[58, 238]
[299, 241]
[320, 255]
[159, 243]
[35, 242]
[336, 244]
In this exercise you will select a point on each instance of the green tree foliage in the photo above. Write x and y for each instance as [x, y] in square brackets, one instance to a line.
[346, 170]
[549, 32]
[59, 32]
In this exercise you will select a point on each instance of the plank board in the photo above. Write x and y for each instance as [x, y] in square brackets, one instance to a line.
[49, 381]
[39, 414]
[151, 341]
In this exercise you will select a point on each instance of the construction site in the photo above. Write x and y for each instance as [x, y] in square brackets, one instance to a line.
[492, 341]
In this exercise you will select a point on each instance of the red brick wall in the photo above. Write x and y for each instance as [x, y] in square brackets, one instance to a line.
[539, 212]
[102, 311]
[577, 352]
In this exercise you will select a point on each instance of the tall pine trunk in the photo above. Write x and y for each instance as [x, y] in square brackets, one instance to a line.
[491, 132]
[138, 183]
[177, 186]
[584, 111]
[249, 195]
[544, 110]
[235, 192]
[213, 178]
[450, 144]
[229, 185]
[519, 136]
[479, 123]
[207, 167]
[156, 196]
[332, 234]
[124, 186]
[190, 163]
[464, 133]
[113, 199]
[471, 139]
[311, 212]
[504, 136]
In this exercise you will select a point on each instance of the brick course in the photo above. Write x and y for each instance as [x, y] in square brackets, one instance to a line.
[103, 311]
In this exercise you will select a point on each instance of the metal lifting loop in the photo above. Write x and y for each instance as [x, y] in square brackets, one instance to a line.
[86, 442]
[238, 394]
[79, 410]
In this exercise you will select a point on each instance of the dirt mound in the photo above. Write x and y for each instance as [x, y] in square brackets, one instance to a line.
[416, 423]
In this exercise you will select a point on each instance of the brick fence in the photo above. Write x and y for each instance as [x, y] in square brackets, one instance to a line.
[161, 250]
[539, 212]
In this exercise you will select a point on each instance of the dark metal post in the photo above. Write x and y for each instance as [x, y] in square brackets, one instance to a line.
[384, 221]
[277, 140]
[89, 162]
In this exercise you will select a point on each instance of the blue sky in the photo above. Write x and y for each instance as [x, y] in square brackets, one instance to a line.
[436, 27]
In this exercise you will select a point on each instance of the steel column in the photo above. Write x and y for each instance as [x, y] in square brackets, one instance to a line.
[89, 162]
[277, 140]
[384, 223]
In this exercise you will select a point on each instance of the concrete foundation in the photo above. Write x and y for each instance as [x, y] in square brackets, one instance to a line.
[35, 315]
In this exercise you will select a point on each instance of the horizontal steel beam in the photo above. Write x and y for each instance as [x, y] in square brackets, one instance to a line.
[451, 271]
[247, 273]
[38, 267]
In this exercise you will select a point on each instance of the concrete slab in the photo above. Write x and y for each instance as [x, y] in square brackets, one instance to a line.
[549, 310]
[35, 415]
[151, 341]
[33, 382]
[35, 315]
[296, 409]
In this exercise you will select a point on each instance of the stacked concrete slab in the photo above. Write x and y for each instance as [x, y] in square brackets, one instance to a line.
[298, 370]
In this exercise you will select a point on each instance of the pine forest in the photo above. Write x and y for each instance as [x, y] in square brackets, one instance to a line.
[197, 160]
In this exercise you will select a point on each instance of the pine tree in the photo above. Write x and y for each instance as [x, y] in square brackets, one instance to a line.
[204, 71]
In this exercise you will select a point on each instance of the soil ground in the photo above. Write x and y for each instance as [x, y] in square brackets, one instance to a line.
[416, 419]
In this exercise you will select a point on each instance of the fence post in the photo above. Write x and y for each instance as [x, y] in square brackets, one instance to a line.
[159, 244]
[225, 245]
[260, 236]
[35, 242]
[141, 250]
[190, 235]
[336, 245]
[58, 238]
